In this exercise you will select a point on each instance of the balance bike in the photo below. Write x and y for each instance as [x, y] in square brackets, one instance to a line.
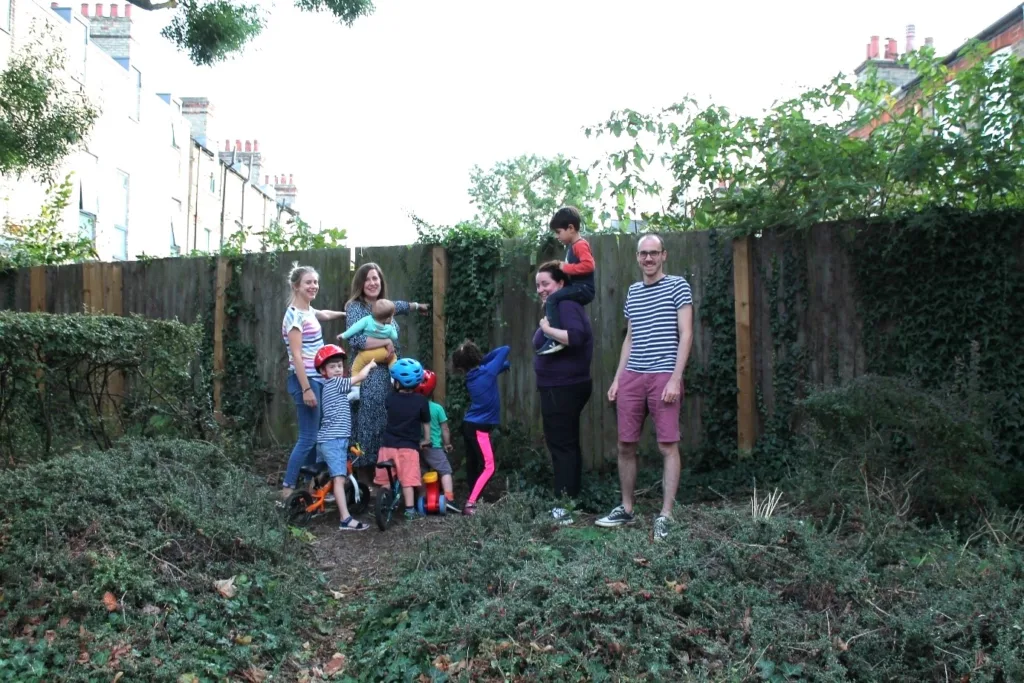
[432, 501]
[389, 499]
[306, 504]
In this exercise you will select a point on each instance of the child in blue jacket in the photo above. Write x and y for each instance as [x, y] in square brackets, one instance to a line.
[483, 414]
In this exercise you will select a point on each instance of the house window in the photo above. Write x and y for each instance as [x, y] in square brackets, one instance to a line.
[136, 77]
[120, 216]
[87, 226]
[213, 183]
[5, 15]
[175, 214]
[209, 240]
[79, 48]
[174, 137]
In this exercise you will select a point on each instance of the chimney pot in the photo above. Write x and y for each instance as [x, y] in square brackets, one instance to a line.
[128, 11]
[291, 179]
[248, 146]
[911, 32]
[113, 10]
[238, 145]
[266, 180]
[99, 9]
[53, 5]
[929, 41]
[873, 48]
[890, 48]
[255, 145]
[227, 145]
[85, 9]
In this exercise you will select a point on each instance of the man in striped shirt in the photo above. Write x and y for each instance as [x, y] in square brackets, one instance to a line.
[649, 379]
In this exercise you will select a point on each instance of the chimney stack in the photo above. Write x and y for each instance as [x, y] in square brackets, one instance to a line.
[890, 49]
[873, 48]
[99, 9]
[85, 9]
[128, 11]
[113, 11]
[911, 32]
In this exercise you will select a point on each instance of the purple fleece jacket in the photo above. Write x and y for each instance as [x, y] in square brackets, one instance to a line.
[571, 365]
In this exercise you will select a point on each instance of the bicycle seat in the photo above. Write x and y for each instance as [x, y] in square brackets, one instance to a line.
[386, 465]
[313, 470]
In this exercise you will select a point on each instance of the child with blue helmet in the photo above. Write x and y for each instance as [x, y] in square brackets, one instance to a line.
[407, 430]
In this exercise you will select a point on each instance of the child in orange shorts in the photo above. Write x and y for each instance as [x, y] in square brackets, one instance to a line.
[407, 430]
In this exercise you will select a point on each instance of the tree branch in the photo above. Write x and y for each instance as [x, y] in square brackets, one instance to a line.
[149, 6]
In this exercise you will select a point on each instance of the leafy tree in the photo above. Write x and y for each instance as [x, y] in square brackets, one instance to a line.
[211, 30]
[294, 235]
[41, 241]
[518, 197]
[41, 119]
[816, 157]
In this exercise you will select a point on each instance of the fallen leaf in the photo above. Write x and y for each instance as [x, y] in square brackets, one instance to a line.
[83, 657]
[110, 602]
[442, 663]
[243, 640]
[254, 675]
[642, 561]
[618, 587]
[337, 595]
[118, 676]
[50, 636]
[646, 595]
[64, 622]
[226, 587]
[748, 621]
[840, 644]
[151, 610]
[336, 665]
[538, 648]
[677, 586]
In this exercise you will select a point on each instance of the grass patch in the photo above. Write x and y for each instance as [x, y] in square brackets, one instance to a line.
[729, 597]
[158, 559]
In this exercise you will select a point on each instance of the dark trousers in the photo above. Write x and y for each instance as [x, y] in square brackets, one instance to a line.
[582, 294]
[474, 456]
[560, 409]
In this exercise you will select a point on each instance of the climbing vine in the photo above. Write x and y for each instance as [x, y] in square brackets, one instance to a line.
[934, 284]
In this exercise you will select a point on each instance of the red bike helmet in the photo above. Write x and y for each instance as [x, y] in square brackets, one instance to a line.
[426, 387]
[326, 353]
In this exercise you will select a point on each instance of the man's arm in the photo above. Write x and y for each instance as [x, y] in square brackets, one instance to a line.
[684, 319]
[627, 344]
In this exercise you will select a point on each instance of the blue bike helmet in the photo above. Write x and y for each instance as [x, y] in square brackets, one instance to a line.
[407, 372]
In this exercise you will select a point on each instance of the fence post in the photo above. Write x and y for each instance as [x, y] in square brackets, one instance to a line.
[37, 289]
[440, 355]
[746, 398]
[219, 323]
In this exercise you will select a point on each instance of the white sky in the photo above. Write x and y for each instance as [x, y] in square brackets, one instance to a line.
[389, 116]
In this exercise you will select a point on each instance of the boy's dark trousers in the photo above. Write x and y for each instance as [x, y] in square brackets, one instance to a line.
[581, 293]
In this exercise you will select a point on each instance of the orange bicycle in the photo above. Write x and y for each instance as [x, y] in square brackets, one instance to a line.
[308, 503]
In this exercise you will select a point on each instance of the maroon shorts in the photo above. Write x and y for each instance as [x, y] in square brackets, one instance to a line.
[640, 394]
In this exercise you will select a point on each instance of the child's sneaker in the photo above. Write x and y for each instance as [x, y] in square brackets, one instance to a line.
[412, 514]
[550, 346]
[450, 506]
[561, 516]
[469, 509]
[329, 498]
[661, 528]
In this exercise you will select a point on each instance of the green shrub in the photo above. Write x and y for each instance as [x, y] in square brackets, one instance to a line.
[73, 380]
[108, 562]
[927, 453]
[728, 597]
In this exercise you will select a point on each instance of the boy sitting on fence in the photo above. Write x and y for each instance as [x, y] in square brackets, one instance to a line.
[378, 325]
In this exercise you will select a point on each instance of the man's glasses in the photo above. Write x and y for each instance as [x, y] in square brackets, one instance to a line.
[651, 254]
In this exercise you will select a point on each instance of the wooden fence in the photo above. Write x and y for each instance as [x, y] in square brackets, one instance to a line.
[188, 289]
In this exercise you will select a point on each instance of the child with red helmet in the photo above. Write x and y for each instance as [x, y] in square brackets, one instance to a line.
[433, 455]
[336, 423]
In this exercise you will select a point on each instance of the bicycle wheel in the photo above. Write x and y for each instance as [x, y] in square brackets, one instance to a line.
[354, 507]
[382, 510]
[296, 508]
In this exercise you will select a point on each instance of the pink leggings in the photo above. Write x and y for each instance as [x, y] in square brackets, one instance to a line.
[479, 457]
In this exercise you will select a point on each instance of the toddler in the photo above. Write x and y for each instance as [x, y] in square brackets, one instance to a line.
[378, 325]
[434, 455]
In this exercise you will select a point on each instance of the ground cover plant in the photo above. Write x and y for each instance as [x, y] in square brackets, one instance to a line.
[155, 560]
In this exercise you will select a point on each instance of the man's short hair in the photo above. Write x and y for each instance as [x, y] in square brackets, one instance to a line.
[651, 235]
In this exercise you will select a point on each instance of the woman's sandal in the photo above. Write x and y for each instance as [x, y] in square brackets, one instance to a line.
[346, 525]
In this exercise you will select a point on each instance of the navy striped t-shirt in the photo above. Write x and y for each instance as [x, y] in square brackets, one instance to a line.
[335, 411]
[653, 311]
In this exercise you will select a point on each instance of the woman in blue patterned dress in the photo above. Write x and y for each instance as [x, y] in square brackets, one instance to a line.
[370, 418]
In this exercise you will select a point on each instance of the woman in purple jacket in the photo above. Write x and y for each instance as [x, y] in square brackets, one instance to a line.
[563, 380]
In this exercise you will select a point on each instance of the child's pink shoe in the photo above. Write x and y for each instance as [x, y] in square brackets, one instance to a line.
[469, 509]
